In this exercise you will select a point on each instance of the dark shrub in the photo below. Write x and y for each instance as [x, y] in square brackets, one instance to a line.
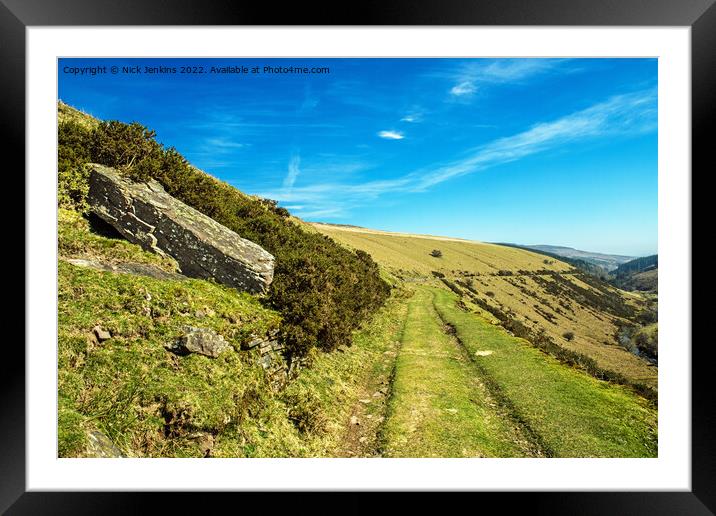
[437, 253]
[568, 335]
[452, 286]
[72, 153]
[131, 148]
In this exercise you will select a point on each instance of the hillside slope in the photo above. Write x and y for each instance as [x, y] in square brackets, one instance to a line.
[124, 386]
[575, 310]
[414, 369]
[640, 274]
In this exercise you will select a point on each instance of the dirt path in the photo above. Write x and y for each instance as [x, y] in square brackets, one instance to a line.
[364, 427]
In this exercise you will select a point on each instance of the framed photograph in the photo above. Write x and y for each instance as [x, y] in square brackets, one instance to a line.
[405, 249]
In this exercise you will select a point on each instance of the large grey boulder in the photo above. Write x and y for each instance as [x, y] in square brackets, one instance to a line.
[145, 214]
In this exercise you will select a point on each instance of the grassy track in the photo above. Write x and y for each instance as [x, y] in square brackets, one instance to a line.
[575, 414]
[439, 407]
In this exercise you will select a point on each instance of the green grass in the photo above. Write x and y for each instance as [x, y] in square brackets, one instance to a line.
[132, 388]
[75, 240]
[575, 414]
[439, 407]
[323, 397]
[152, 403]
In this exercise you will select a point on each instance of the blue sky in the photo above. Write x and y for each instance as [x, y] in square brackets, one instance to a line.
[530, 151]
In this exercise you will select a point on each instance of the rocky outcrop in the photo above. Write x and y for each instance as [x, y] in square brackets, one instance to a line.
[145, 214]
[272, 355]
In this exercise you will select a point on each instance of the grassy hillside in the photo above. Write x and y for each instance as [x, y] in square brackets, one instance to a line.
[150, 402]
[410, 254]
[575, 310]
[607, 262]
[426, 357]
[146, 400]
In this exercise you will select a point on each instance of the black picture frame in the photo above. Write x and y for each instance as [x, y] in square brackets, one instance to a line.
[700, 15]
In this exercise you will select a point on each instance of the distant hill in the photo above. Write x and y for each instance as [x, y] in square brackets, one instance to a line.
[644, 263]
[639, 274]
[579, 263]
[609, 262]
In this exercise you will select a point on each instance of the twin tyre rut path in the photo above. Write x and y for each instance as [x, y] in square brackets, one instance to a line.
[454, 385]
[438, 404]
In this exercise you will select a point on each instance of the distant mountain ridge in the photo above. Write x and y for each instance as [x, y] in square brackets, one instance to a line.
[609, 262]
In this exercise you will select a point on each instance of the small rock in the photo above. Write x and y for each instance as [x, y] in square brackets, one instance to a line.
[451, 410]
[101, 334]
[100, 446]
[484, 353]
[253, 343]
[206, 444]
[354, 420]
[206, 312]
[365, 401]
[265, 361]
[362, 439]
[203, 341]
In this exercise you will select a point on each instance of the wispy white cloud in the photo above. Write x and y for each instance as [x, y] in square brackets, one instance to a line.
[466, 87]
[391, 135]
[293, 172]
[470, 75]
[633, 113]
[412, 118]
[618, 116]
[223, 144]
[310, 101]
